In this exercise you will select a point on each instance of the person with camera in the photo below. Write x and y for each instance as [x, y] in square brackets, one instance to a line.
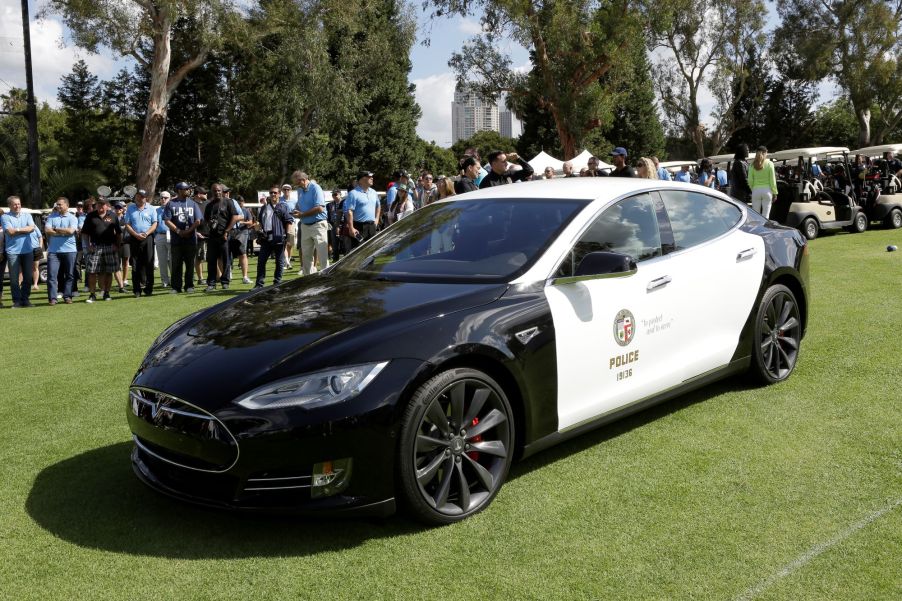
[272, 227]
[500, 174]
[221, 214]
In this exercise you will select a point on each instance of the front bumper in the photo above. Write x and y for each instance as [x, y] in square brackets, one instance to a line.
[260, 460]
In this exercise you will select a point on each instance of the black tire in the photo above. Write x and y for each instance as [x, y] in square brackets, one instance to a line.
[894, 219]
[810, 228]
[860, 224]
[778, 335]
[448, 472]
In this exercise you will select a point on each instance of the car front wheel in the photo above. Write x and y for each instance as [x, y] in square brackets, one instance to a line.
[810, 228]
[778, 334]
[456, 446]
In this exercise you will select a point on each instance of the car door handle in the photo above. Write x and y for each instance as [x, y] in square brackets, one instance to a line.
[746, 254]
[658, 282]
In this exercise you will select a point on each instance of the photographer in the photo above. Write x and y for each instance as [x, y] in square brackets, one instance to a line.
[221, 214]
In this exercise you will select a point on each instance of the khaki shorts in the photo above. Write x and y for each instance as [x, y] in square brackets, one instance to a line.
[291, 238]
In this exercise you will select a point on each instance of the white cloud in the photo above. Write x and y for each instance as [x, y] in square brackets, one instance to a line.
[51, 57]
[469, 26]
[434, 94]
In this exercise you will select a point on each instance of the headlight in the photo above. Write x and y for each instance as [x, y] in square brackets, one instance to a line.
[313, 390]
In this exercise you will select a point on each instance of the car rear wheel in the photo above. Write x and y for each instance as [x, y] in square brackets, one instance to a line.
[778, 334]
[894, 219]
[456, 446]
[810, 228]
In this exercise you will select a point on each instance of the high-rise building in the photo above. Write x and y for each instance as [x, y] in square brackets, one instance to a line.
[471, 113]
[506, 121]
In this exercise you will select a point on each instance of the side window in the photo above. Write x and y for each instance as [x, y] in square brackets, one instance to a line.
[697, 218]
[629, 227]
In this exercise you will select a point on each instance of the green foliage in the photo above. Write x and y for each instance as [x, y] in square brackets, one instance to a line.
[636, 125]
[484, 142]
[834, 124]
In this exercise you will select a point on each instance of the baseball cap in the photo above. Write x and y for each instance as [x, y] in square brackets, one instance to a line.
[165, 194]
[119, 205]
[182, 186]
[364, 173]
[619, 151]
[141, 193]
[402, 187]
[200, 190]
[286, 186]
[400, 173]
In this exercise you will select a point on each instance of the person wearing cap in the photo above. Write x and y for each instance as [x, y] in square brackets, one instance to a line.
[363, 209]
[500, 174]
[125, 248]
[221, 214]
[402, 206]
[17, 228]
[272, 223]
[60, 228]
[291, 237]
[239, 238]
[141, 223]
[200, 199]
[103, 235]
[182, 216]
[335, 214]
[621, 168]
[469, 168]
[161, 240]
[311, 210]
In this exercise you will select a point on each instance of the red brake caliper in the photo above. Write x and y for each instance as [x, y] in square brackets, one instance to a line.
[474, 455]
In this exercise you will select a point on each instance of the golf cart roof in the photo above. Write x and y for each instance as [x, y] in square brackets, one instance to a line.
[806, 153]
[672, 164]
[877, 151]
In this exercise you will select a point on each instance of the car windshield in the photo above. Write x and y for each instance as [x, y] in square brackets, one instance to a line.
[484, 240]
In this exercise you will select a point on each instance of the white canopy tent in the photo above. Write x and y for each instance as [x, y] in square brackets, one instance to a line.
[582, 160]
[543, 160]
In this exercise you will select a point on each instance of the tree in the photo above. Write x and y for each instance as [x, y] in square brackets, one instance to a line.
[705, 41]
[636, 125]
[572, 45]
[858, 43]
[835, 124]
[484, 142]
[146, 31]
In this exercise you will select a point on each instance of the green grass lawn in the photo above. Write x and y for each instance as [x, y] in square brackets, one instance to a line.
[731, 492]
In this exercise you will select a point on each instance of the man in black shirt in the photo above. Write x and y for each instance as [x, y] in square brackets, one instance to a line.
[500, 174]
[221, 214]
[621, 169]
[104, 235]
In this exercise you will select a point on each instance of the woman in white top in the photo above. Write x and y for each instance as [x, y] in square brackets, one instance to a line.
[402, 205]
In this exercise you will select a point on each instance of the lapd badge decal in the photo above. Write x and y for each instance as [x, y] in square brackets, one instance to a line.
[624, 327]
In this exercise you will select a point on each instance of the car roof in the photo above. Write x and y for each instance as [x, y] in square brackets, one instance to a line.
[876, 151]
[571, 188]
[669, 164]
[794, 153]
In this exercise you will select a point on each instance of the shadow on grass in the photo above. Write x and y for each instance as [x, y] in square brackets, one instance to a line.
[94, 500]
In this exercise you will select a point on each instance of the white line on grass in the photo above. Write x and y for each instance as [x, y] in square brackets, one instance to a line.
[814, 551]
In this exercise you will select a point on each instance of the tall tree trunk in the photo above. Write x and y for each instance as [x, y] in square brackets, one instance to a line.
[157, 105]
[864, 127]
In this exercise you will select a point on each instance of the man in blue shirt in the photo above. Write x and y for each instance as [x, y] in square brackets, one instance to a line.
[291, 238]
[663, 174]
[141, 223]
[161, 240]
[683, 175]
[311, 210]
[363, 209]
[17, 228]
[723, 182]
[60, 228]
[181, 216]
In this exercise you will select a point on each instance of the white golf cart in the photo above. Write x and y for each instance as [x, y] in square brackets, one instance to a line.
[882, 190]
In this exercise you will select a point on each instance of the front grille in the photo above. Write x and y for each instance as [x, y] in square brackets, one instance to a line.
[177, 432]
[266, 481]
[219, 488]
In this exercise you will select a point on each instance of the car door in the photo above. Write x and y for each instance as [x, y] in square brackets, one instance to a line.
[716, 271]
[613, 337]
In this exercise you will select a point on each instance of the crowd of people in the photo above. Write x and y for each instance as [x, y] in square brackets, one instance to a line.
[196, 232]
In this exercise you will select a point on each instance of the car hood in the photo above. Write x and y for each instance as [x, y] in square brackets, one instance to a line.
[274, 333]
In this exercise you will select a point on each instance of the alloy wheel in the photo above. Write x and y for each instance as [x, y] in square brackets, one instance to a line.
[780, 333]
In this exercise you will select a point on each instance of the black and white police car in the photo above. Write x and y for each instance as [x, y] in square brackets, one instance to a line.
[475, 331]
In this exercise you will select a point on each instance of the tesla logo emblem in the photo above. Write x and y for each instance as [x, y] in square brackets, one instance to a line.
[624, 327]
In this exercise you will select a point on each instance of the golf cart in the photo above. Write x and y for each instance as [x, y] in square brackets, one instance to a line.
[882, 190]
[805, 202]
[674, 167]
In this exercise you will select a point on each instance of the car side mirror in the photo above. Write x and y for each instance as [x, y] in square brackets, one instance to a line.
[601, 264]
